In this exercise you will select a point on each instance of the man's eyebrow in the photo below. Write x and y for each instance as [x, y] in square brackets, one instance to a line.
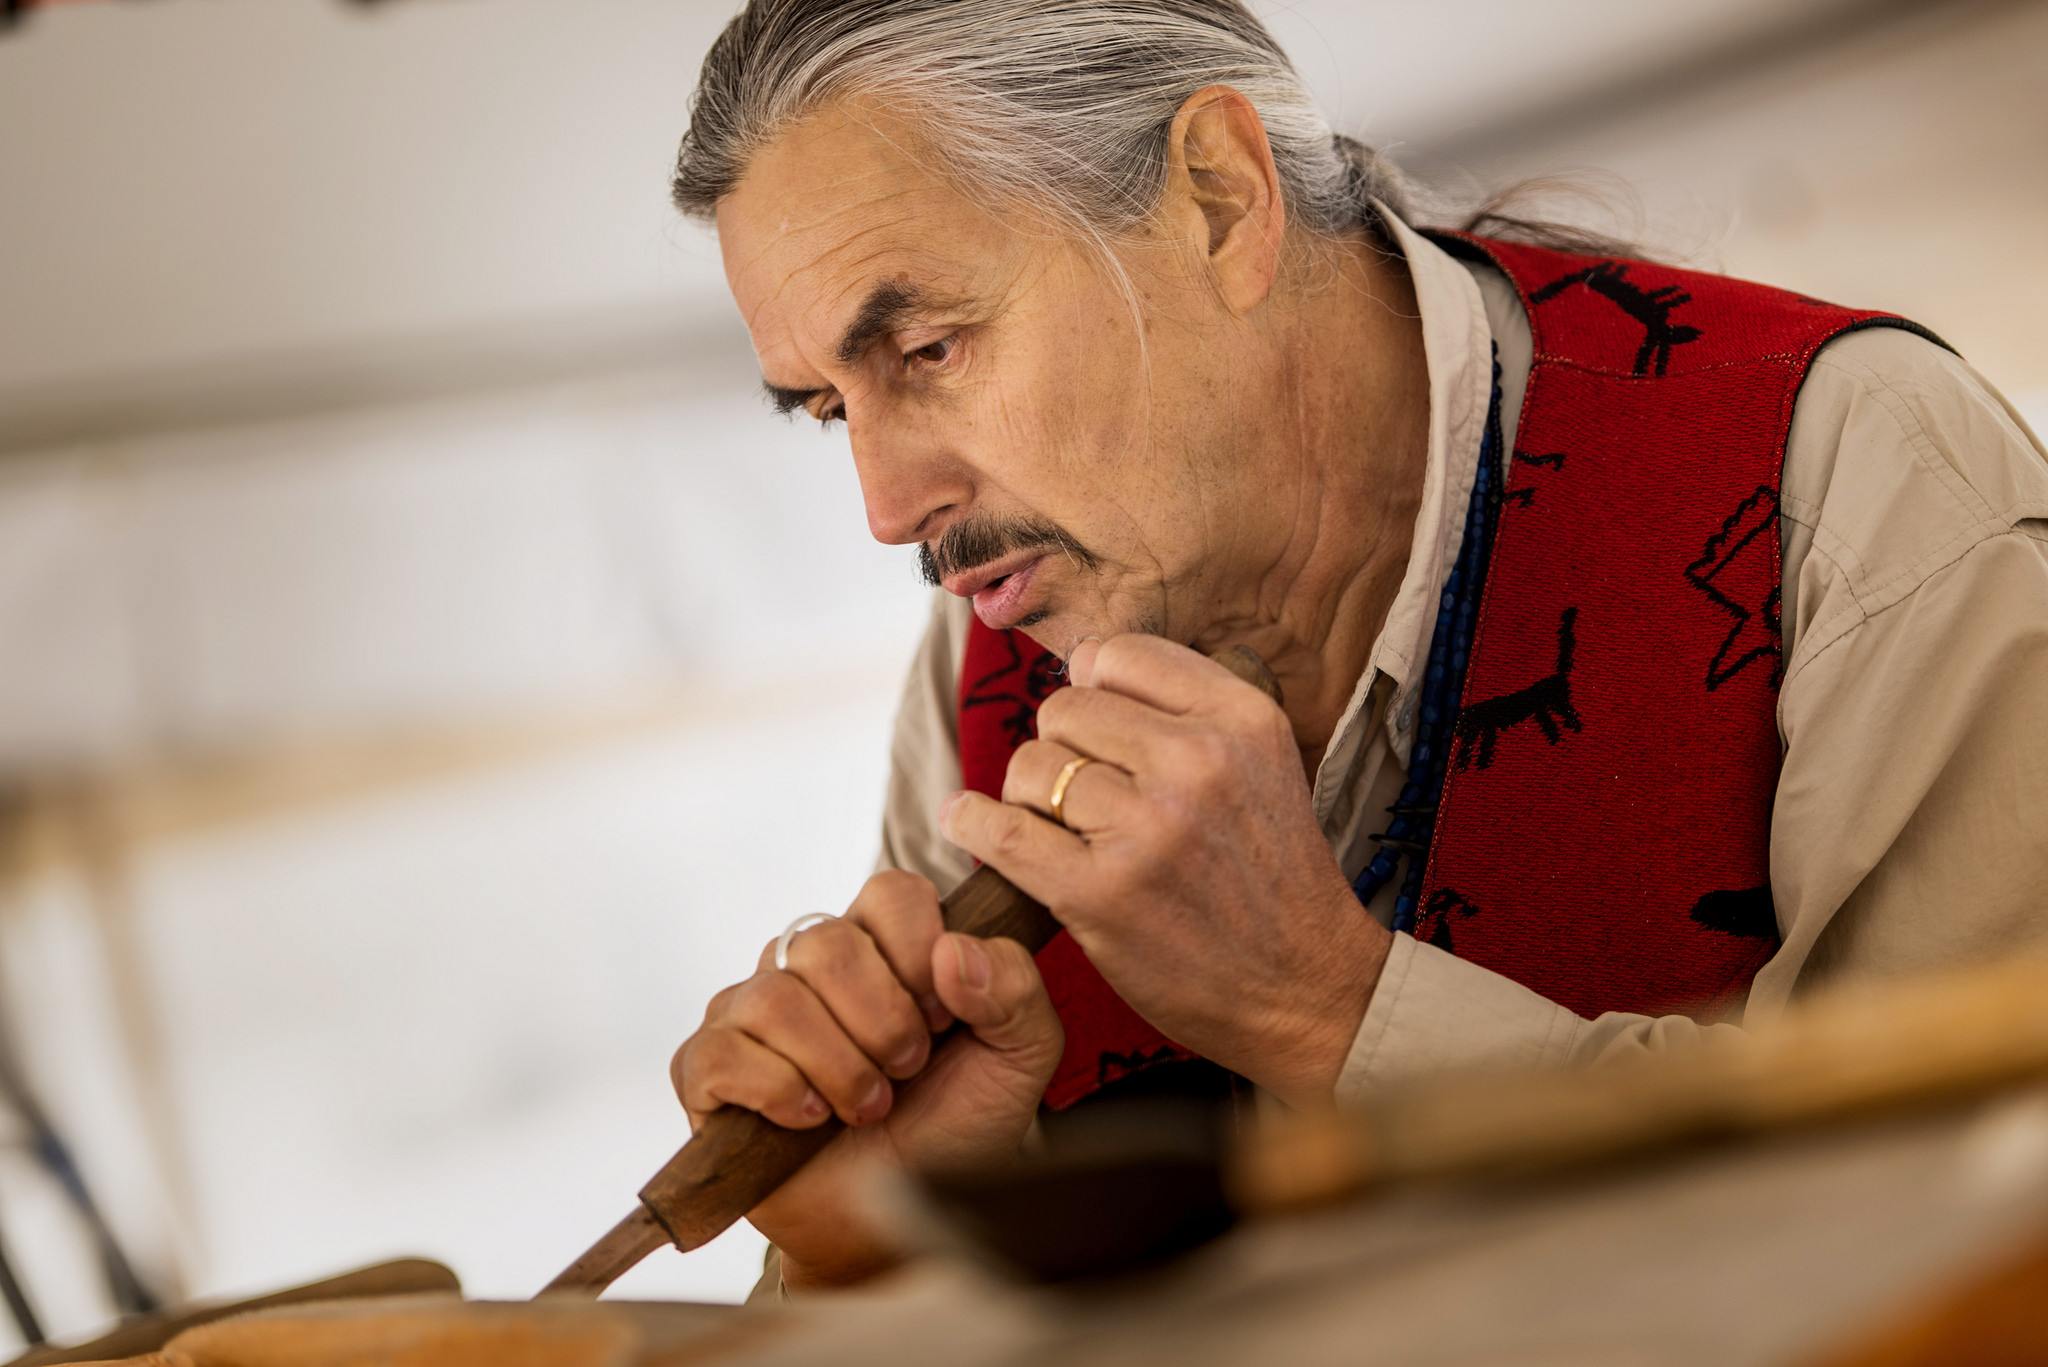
[889, 305]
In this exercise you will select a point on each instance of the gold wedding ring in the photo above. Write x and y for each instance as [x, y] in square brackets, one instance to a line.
[1059, 786]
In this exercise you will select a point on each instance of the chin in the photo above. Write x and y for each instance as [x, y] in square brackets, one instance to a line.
[1053, 632]
[1061, 634]
[1044, 628]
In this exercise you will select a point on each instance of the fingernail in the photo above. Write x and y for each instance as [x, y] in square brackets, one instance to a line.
[972, 961]
[946, 810]
[813, 1106]
[874, 1105]
[935, 1014]
[909, 1058]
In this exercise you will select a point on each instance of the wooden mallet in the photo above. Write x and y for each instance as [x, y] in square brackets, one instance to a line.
[739, 1158]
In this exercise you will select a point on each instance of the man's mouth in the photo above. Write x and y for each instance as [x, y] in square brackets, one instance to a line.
[1000, 589]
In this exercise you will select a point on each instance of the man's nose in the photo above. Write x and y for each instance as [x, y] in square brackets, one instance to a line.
[906, 486]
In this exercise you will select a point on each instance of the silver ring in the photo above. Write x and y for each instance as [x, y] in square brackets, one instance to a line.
[794, 929]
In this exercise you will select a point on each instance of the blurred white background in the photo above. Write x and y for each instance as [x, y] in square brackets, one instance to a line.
[430, 671]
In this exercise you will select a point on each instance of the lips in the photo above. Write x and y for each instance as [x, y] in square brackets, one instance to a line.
[968, 583]
[1000, 591]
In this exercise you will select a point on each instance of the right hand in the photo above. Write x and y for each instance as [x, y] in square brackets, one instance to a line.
[858, 1006]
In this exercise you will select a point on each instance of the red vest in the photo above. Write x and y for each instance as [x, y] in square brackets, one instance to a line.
[1603, 835]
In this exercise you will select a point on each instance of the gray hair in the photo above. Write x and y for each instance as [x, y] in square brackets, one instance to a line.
[1063, 106]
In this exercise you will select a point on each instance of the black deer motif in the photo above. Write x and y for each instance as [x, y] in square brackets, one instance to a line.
[1525, 497]
[1443, 904]
[1017, 687]
[1747, 912]
[1651, 308]
[1547, 702]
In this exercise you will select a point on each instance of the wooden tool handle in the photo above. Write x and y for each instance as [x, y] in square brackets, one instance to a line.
[738, 1158]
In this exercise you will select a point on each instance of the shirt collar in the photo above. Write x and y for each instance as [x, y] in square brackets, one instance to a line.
[1460, 321]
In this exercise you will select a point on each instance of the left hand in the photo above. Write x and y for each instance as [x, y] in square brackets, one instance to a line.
[1192, 870]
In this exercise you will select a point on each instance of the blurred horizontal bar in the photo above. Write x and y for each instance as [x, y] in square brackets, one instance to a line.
[299, 382]
[1807, 30]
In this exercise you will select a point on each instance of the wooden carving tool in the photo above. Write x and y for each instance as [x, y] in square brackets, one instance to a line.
[739, 1158]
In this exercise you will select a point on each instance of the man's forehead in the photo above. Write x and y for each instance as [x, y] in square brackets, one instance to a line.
[831, 207]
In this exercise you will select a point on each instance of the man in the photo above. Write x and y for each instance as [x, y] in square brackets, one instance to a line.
[1653, 646]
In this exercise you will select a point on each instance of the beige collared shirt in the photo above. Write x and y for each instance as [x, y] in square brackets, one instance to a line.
[1910, 827]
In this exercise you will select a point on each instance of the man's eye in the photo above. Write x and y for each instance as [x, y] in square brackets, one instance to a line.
[931, 353]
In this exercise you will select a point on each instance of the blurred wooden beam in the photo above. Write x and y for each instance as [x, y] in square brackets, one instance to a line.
[293, 383]
[70, 822]
[1805, 31]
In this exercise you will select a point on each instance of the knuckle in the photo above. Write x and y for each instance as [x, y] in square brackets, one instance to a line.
[828, 938]
[891, 901]
[913, 901]
[886, 1024]
[1031, 759]
[696, 1065]
[765, 1001]
[1237, 710]
[848, 1082]
[898, 887]
[1006, 836]
[905, 1054]
[1206, 759]
[904, 944]
[904, 939]
[1058, 708]
[825, 949]
[785, 1088]
[1263, 718]
[867, 1007]
[783, 1097]
[912, 1043]
[1116, 654]
[679, 1068]
[906, 1025]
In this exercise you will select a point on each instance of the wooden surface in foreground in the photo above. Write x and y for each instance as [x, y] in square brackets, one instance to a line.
[1864, 1186]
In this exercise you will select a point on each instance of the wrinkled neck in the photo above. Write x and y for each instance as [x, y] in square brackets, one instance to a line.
[1355, 446]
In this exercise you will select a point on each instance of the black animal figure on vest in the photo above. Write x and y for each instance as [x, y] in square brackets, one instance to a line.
[1548, 702]
[1442, 905]
[1525, 497]
[1739, 911]
[1018, 687]
[1651, 308]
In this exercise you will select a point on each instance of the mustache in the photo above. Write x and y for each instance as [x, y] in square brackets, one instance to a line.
[978, 541]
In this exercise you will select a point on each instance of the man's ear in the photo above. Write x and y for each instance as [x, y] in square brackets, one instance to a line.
[1223, 192]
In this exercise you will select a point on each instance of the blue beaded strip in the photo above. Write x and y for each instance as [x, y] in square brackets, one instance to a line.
[1413, 816]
